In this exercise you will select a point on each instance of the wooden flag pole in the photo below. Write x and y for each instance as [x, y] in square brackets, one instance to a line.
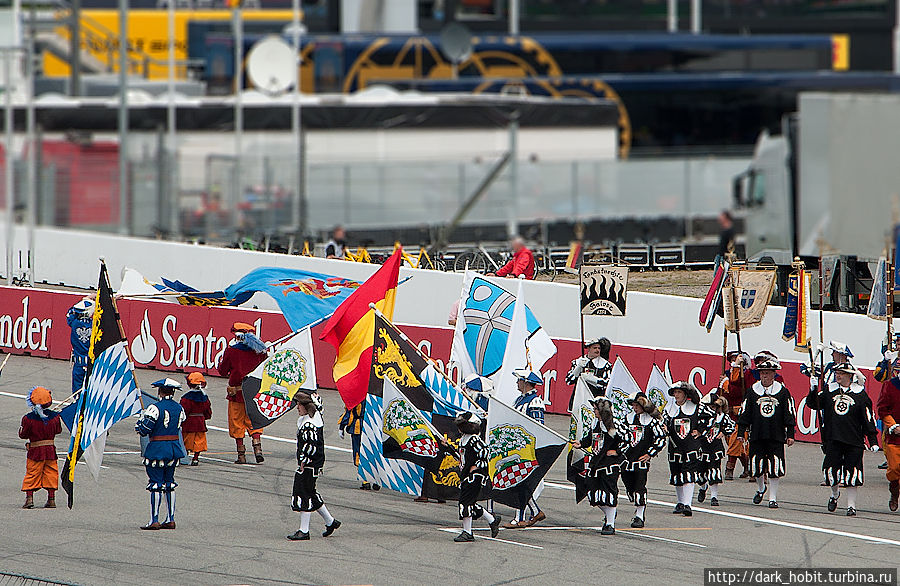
[121, 329]
[737, 321]
[889, 289]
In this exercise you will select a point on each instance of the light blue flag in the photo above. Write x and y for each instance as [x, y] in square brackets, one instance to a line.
[878, 301]
[305, 298]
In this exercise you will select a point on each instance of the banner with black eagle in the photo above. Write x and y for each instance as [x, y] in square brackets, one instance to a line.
[409, 408]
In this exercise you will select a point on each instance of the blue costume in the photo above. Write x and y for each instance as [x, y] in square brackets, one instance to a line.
[532, 405]
[79, 319]
[161, 422]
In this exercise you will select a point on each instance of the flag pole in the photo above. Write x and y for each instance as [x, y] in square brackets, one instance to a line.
[421, 354]
[889, 286]
[5, 360]
[105, 272]
[737, 320]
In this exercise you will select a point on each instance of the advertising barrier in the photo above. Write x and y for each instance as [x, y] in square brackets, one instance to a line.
[171, 337]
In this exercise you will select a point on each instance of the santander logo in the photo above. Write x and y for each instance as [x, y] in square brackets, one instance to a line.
[143, 347]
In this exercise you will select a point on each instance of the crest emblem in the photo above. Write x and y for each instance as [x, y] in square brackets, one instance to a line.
[407, 429]
[283, 375]
[683, 427]
[318, 288]
[635, 434]
[748, 296]
[842, 404]
[389, 362]
[512, 456]
[767, 406]
[599, 441]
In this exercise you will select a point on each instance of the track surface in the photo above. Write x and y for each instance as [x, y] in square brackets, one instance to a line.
[232, 520]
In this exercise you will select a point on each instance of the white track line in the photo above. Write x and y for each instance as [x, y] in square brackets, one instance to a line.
[450, 530]
[658, 538]
[811, 528]
[281, 439]
[617, 531]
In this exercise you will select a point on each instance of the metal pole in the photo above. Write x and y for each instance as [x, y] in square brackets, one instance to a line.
[31, 161]
[512, 227]
[75, 49]
[897, 37]
[296, 218]
[171, 159]
[514, 17]
[673, 16]
[8, 171]
[123, 117]
[238, 106]
[696, 16]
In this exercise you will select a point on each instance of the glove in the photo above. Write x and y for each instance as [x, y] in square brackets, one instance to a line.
[343, 433]
[591, 379]
[874, 448]
[894, 429]
[890, 356]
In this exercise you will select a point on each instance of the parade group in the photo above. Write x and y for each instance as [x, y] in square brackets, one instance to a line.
[748, 418]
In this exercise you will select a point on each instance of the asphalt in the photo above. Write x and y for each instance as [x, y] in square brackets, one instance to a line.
[232, 520]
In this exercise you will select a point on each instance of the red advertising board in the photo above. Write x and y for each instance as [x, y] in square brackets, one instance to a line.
[172, 337]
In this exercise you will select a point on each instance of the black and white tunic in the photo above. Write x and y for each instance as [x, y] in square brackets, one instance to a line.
[595, 374]
[310, 460]
[713, 448]
[603, 468]
[472, 452]
[769, 415]
[645, 436]
[848, 417]
[685, 450]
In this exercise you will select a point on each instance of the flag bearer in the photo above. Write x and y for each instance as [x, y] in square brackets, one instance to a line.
[310, 460]
[161, 422]
[473, 476]
[79, 318]
[242, 356]
[40, 426]
[607, 441]
[351, 422]
[646, 438]
[532, 405]
[713, 446]
[593, 368]
[685, 421]
[889, 412]
[734, 385]
[198, 410]
[768, 413]
[849, 419]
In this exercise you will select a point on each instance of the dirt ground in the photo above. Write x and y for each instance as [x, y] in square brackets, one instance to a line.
[687, 283]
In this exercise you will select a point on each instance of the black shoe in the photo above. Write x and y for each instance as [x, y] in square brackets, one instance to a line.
[464, 537]
[299, 536]
[637, 523]
[687, 512]
[701, 495]
[495, 526]
[365, 486]
[329, 529]
[773, 505]
[883, 465]
[608, 530]
[679, 509]
[714, 502]
[832, 503]
[757, 498]
[376, 487]
[851, 512]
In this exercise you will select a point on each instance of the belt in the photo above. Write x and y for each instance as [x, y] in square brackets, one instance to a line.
[196, 415]
[164, 438]
[40, 443]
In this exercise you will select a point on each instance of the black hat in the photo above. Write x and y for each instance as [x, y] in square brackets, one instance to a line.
[690, 390]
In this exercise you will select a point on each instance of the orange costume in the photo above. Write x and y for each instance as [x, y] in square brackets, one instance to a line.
[197, 410]
[888, 410]
[244, 354]
[40, 427]
[733, 391]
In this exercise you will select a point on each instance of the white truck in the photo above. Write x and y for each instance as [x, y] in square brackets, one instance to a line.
[826, 187]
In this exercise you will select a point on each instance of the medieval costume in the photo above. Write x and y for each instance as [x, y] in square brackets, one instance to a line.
[768, 414]
[40, 426]
[310, 461]
[848, 422]
[713, 448]
[531, 404]
[733, 388]
[198, 411]
[593, 369]
[685, 423]
[607, 441]
[161, 422]
[480, 389]
[242, 356]
[645, 439]
[351, 422]
[79, 318]
[889, 412]
[473, 477]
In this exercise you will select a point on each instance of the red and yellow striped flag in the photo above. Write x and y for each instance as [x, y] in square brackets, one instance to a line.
[801, 342]
[351, 330]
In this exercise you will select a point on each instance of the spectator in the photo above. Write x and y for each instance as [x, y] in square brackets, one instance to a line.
[522, 262]
[335, 246]
[726, 236]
